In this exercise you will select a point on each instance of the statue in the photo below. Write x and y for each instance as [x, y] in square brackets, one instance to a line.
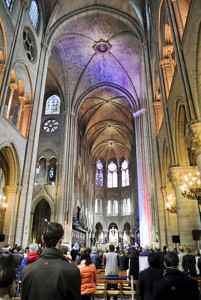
[113, 235]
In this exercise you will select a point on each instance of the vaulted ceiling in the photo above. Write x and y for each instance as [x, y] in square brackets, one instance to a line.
[97, 59]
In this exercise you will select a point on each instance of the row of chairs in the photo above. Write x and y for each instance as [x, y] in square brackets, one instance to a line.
[123, 288]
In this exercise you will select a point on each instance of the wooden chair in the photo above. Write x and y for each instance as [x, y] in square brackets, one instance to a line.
[115, 292]
[101, 288]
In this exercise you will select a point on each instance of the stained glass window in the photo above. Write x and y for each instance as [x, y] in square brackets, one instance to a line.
[99, 174]
[34, 14]
[124, 173]
[96, 206]
[127, 206]
[52, 106]
[9, 3]
[115, 207]
[51, 125]
[112, 178]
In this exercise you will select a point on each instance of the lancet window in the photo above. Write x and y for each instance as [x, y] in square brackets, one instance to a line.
[99, 174]
[52, 106]
[34, 14]
[9, 4]
[124, 173]
[112, 178]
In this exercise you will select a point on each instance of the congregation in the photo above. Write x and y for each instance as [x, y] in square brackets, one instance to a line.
[54, 272]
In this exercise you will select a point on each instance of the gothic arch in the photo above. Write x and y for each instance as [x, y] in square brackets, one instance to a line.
[10, 160]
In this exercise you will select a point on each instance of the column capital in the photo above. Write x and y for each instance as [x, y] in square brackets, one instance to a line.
[2, 67]
[11, 189]
[21, 98]
[193, 138]
[165, 62]
[12, 86]
[176, 174]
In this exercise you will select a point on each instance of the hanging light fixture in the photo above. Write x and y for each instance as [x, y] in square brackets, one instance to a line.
[171, 204]
[191, 189]
[3, 204]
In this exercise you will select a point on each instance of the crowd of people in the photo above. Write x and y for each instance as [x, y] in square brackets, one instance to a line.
[55, 273]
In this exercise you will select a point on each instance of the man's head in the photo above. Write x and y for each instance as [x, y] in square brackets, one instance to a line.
[111, 248]
[188, 250]
[33, 247]
[154, 260]
[181, 249]
[53, 234]
[171, 259]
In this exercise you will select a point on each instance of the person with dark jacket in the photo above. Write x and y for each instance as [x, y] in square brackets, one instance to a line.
[51, 276]
[31, 256]
[134, 264]
[175, 284]
[123, 261]
[17, 257]
[148, 276]
[95, 258]
[188, 263]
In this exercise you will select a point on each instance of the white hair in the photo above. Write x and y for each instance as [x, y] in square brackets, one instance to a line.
[33, 247]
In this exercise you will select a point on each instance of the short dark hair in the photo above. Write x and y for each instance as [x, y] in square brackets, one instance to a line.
[111, 248]
[7, 271]
[171, 259]
[64, 249]
[154, 260]
[52, 233]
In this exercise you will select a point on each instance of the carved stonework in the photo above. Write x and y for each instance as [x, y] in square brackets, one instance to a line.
[176, 174]
[193, 138]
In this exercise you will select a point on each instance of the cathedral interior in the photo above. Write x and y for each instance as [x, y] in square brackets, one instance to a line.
[100, 121]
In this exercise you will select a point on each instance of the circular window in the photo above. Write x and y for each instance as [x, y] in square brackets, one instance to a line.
[51, 125]
[112, 167]
[124, 165]
[99, 165]
[29, 44]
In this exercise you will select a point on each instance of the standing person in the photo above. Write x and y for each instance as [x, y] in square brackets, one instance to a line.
[181, 255]
[188, 263]
[18, 257]
[51, 276]
[89, 276]
[134, 264]
[148, 276]
[197, 256]
[95, 258]
[7, 275]
[123, 261]
[175, 284]
[111, 267]
[31, 256]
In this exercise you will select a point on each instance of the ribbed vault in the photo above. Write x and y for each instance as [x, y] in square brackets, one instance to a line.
[106, 121]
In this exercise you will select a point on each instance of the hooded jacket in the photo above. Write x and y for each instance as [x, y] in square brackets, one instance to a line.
[31, 257]
[89, 277]
[51, 277]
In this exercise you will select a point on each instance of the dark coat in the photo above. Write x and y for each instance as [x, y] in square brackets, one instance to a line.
[134, 267]
[188, 264]
[123, 263]
[17, 257]
[51, 277]
[146, 279]
[96, 260]
[175, 285]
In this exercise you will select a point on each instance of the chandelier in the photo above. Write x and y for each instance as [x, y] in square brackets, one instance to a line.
[191, 189]
[3, 204]
[171, 204]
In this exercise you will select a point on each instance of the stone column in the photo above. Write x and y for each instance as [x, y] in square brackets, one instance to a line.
[20, 112]
[67, 181]
[12, 89]
[170, 217]
[12, 194]
[2, 70]
[187, 210]
[26, 119]
[46, 171]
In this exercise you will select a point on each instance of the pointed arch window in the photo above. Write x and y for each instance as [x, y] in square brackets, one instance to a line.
[52, 170]
[109, 207]
[52, 106]
[99, 174]
[124, 174]
[127, 206]
[34, 14]
[115, 207]
[9, 4]
[112, 178]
